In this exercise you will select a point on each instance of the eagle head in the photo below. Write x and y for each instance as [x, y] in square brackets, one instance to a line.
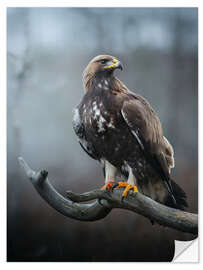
[100, 66]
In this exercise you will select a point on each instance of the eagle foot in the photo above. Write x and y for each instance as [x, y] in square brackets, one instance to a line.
[108, 186]
[127, 187]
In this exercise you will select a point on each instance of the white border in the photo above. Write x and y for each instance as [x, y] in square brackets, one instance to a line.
[53, 3]
[101, 3]
[3, 131]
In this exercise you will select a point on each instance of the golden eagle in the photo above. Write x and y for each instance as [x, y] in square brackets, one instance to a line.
[121, 130]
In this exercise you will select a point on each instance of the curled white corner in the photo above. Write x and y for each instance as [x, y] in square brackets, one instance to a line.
[186, 251]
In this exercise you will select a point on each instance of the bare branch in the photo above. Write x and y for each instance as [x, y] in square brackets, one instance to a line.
[85, 212]
[106, 201]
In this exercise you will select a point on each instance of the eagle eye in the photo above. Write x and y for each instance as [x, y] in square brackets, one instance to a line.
[103, 61]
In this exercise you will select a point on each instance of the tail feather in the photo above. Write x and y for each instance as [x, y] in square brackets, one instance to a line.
[169, 187]
[179, 195]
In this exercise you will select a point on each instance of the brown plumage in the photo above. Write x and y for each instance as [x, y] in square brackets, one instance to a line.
[121, 130]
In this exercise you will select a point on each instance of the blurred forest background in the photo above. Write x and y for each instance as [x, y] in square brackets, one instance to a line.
[48, 49]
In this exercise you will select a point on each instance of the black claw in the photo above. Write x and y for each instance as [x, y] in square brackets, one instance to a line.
[110, 190]
[123, 197]
[114, 186]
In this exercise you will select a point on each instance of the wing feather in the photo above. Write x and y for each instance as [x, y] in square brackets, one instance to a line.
[79, 129]
[146, 127]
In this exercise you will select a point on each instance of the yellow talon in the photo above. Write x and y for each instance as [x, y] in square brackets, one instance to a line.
[125, 192]
[108, 186]
[127, 188]
[122, 184]
[135, 188]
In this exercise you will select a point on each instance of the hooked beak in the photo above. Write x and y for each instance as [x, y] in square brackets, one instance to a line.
[114, 64]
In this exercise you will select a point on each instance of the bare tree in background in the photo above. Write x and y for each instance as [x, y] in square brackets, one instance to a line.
[24, 63]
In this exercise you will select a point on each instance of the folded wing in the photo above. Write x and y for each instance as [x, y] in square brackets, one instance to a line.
[146, 127]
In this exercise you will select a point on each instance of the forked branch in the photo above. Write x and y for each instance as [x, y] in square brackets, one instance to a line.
[105, 201]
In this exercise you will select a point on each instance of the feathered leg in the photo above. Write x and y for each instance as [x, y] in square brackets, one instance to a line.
[130, 184]
[110, 175]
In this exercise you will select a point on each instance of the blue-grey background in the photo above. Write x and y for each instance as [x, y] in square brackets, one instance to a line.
[48, 49]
